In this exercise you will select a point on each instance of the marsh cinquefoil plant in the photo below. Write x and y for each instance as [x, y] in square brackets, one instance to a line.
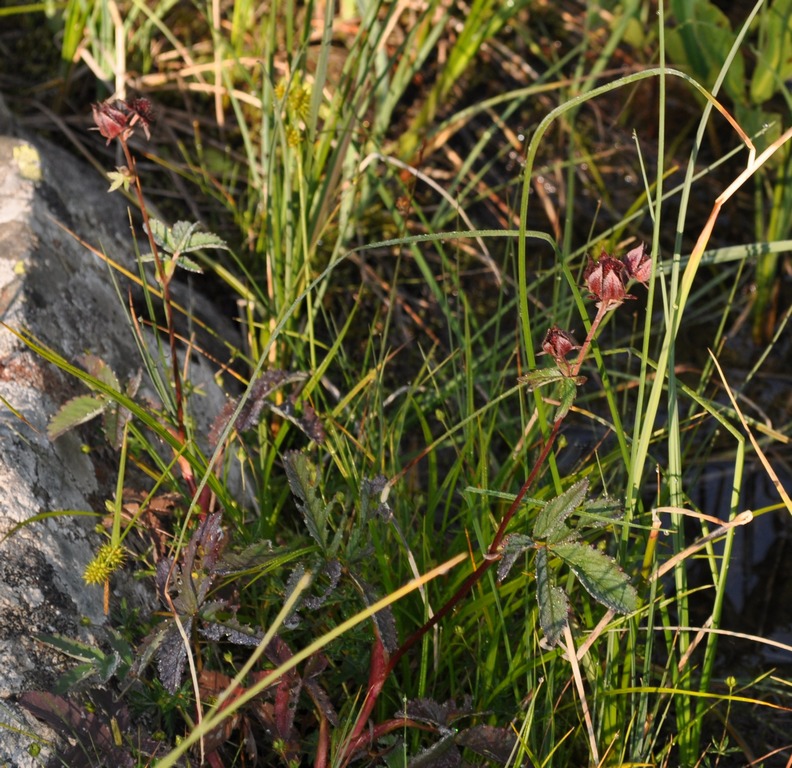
[118, 120]
[188, 582]
[606, 279]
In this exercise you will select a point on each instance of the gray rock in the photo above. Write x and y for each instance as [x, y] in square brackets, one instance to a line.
[63, 294]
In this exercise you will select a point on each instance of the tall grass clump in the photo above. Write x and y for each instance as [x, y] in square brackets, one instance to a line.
[446, 513]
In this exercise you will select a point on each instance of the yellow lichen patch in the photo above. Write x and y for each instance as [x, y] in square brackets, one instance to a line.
[28, 159]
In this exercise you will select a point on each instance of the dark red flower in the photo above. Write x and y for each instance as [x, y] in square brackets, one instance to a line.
[605, 279]
[111, 119]
[118, 119]
[558, 344]
[638, 263]
[141, 111]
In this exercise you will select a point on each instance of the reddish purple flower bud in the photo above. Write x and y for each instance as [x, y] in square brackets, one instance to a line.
[558, 344]
[638, 263]
[111, 119]
[605, 279]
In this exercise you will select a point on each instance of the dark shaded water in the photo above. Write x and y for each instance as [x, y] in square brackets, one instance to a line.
[759, 585]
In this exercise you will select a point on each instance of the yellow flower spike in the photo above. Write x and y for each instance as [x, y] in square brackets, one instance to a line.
[293, 136]
[300, 101]
[109, 558]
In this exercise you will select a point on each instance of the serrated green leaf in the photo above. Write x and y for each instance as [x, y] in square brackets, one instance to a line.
[113, 417]
[302, 476]
[188, 264]
[513, 546]
[172, 655]
[150, 646]
[100, 369]
[95, 662]
[597, 513]
[74, 412]
[568, 391]
[184, 237]
[195, 241]
[113, 422]
[108, 666]
[180, 237]
[160, 233]
[553, 603]
[550, 520]
[144, 415]
[120, 647]
[563, 536]
[600, 575]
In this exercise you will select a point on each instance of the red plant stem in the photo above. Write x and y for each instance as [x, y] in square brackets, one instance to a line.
[323, 744]
[382, 729]
[602, 309]
[489, 559]
[165, 282]
[378, 674]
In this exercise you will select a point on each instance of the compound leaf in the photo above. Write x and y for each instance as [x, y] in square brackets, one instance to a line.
[183, 237]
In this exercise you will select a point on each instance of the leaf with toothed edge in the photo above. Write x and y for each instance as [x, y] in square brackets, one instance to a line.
[78, 410]
[514, 545]
[549, 524]
[600, 575]
[553, 602]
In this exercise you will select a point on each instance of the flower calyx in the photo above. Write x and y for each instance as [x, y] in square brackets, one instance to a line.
[558, 344]
[638, 264]
[606, 280]
[118, 119]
